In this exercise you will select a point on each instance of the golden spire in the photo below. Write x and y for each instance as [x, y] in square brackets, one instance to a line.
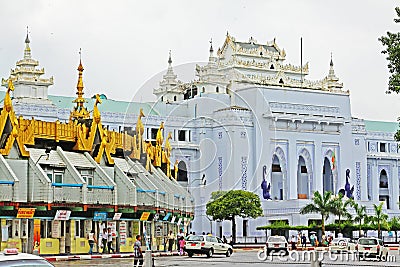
[27, 51]
[80, 112]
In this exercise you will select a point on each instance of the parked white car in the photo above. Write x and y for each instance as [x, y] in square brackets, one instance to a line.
[342, 245]
[206, 244]
[372, 247]
[277, 243]
[11, 257]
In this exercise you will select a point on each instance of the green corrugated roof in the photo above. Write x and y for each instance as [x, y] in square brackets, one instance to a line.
[107, 105]
[381, 126]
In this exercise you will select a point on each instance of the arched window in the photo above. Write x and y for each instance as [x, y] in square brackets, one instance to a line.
[383, 179]
[182, 172]
[174, 98]
[217, 89]
[327, 176]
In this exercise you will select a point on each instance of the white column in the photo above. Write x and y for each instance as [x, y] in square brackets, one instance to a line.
[291, 165]
[374, 181]
[394, 188]
[318, 165]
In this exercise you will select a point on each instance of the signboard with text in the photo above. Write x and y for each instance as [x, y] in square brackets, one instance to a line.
[145, 216]
[122, 233]
[117, 216]
[100, 216]
[25, 213]
[62, 215]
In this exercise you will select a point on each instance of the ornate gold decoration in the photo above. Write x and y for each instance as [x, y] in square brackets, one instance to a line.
[80, 111]
[167, 154]
[7, 120]
[158, 149]
[150, 155]
[86, 135]
[139, 135]
[176, 169]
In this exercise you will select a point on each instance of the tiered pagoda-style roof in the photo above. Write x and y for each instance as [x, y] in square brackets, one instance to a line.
[27, 73]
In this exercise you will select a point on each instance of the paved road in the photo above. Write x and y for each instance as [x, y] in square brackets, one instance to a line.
[248, 258]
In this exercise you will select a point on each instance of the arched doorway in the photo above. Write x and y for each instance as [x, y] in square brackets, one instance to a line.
[327, 176]
[302, 179]
[276, 179]
[182, 172]
[384, 188]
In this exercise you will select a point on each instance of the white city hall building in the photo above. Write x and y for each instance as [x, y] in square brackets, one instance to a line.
[248, 117]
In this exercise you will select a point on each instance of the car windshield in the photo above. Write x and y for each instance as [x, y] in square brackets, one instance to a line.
[366, 241]
[276, 239]
[25, 263]
[195, 238]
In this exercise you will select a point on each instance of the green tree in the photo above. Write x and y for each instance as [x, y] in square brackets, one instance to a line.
[394, 225]
[340, 208]
[232, 204]
[379, 218]
[322, 204]
[360, 217]
[391, 42]
[217, 194]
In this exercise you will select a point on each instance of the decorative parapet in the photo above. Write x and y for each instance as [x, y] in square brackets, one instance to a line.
[358, 126]
[277, 66]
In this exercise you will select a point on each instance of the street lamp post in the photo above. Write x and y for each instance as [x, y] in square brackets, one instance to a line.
[203, 182]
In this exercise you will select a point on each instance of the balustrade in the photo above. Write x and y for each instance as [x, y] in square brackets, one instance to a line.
[67, 194]
[6, 191]
[100, 196]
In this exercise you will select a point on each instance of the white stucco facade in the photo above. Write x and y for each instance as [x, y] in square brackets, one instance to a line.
[248, 109]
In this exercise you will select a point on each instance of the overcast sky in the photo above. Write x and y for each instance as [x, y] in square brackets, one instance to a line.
[125, 44]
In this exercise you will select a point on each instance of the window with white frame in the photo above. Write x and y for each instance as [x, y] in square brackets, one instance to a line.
[54, 175]
[87, 175]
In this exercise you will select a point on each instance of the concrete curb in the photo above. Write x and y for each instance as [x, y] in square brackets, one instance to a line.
[105, 256]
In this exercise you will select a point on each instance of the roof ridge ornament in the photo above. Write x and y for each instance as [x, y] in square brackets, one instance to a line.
[80, 111]
[27, 51]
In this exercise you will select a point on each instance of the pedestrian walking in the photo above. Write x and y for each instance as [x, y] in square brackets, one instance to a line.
[104, 239]
[171, 239]
[303, 241]
[137, 252]
[181, 245]
[293, 241]
[312, 240]
[92, 240]
[109, 241]
[179, 235]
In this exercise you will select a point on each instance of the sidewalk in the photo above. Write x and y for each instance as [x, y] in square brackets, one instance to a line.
[105, 256]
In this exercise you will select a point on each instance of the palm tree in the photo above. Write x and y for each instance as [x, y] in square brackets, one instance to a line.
[394, 225]
[361, 215]
[380, 218]
[322, 204]
[340, 207]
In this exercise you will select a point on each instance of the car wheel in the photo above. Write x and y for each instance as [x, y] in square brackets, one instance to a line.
[228, 253]
[190, 254]
[383, 257]
[210, 253]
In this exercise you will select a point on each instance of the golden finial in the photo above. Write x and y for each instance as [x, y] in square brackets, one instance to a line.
[80, 111]
[10, 85]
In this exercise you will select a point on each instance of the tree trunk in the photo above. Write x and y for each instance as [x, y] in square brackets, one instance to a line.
[323, 225]
[379, 229]
[233, 230]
